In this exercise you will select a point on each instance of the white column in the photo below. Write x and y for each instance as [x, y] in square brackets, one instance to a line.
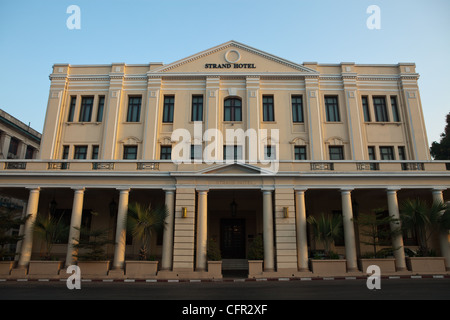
[75, 224]
[167, 247]
[349, 230]
[22, 150]
[268, 231]
[5, 141]
[27, 242]
[397, 238]
[300, 221]
[443, 235]
[121, 231]
[202, 230]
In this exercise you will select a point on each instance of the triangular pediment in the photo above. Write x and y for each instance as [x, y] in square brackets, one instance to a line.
[233, 169]
[233, 57]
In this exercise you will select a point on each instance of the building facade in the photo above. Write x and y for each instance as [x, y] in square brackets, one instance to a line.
[17, 140]
[237, 143]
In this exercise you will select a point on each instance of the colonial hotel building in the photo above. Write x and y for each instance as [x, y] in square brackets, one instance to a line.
[342, 139]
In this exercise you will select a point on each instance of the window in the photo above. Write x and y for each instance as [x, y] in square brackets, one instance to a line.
[197, 108]
[336, 153]
[86, 109]
[166, 153]
[65, 153]
[130, 152]
[297, 109]
[80, 152]
[29, 153]
[134, 109]
[196, 152]
[401, 153]
[269, 153]
[365, 106]
[101, 105]
[232, 109]
[73, 102]
[300, 152]
[387, 153]
[232, 152]
[372, 155]
[395, 114]
[13, 147]
[169, 102]
[332, 109]
[95, 152]
[379, 105]
[268, 109]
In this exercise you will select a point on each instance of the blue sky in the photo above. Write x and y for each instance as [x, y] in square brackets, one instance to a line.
[34, 36]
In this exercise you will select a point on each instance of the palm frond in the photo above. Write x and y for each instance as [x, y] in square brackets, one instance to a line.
[143, 221]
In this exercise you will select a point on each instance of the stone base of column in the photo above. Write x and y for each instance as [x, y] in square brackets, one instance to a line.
[116, 273]
[19, 273]
[186, 274]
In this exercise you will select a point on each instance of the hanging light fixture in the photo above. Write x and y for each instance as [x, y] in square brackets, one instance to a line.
[233, 208]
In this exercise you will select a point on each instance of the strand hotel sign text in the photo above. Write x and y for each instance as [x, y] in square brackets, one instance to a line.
[230, 65]
[232, 58]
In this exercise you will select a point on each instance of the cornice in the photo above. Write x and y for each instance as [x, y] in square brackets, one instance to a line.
[203, 75]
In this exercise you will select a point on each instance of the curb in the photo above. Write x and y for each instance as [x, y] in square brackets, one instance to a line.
[231, 280]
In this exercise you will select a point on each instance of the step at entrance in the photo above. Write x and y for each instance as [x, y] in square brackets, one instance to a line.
[234, 264]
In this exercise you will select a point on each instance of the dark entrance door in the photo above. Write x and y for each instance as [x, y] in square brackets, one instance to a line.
[232, 238]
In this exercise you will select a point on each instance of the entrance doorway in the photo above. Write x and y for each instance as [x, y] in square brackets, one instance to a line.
[232, 238]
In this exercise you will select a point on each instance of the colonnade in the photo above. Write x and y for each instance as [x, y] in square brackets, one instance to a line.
[168, 256]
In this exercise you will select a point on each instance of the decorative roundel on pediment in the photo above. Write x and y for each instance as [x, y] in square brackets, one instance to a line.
[232, 56]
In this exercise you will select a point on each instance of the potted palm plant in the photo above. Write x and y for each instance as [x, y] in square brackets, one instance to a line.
[424, 219]
[327, 229]
[50, 229]
[8, 239]
[143, 222]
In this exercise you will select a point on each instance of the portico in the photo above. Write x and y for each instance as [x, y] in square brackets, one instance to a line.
[230, 205]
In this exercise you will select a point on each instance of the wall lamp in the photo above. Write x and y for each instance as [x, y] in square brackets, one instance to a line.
[286, 212]
[184, 212]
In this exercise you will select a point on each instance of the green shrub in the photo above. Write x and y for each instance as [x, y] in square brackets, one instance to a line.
[213, 251]
[256, 249]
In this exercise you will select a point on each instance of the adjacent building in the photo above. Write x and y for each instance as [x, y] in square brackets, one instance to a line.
[237, 143]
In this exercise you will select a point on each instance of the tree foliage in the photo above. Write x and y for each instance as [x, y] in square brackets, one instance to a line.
[376, 229]
[423, 219]
[9, 220]
[441, 150]
[93, 242]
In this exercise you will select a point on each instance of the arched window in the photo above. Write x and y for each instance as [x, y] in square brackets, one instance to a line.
[232, 109]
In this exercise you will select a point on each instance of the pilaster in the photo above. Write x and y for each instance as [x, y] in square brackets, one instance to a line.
[286, 242]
